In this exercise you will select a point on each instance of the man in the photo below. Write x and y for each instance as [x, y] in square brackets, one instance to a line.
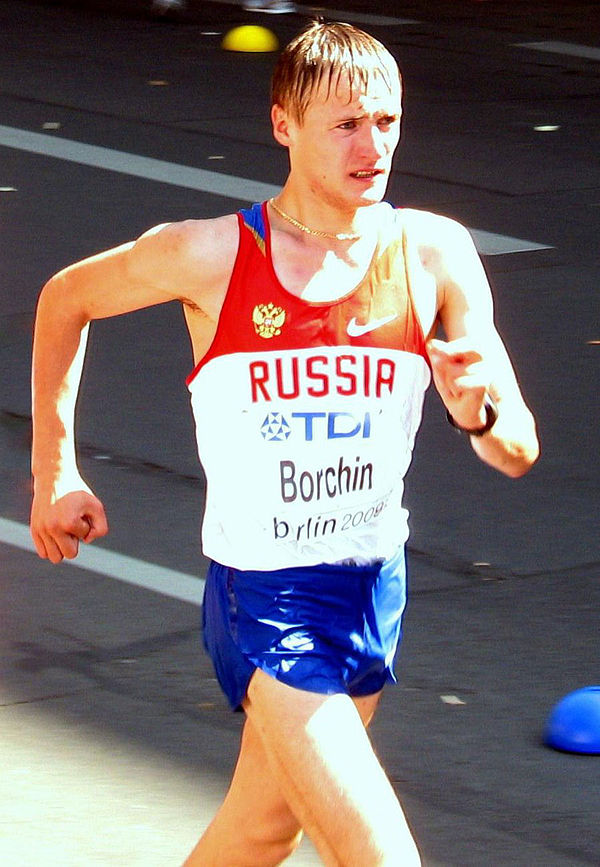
[311, 319]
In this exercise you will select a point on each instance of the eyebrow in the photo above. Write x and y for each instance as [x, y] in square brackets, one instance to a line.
[378, 114]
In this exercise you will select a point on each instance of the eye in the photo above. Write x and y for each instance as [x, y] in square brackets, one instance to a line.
[347, 124]
[387, 121]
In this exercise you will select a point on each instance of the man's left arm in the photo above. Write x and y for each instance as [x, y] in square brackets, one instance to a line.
[473, 365]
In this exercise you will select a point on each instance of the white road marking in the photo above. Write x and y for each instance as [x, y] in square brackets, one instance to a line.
[215, 183]
[148, 168]
[354, 17]
[93, 558]
[336, 14]
[570, 48]
[491, 244]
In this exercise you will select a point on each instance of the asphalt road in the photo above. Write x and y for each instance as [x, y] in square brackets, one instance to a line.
[115, 744]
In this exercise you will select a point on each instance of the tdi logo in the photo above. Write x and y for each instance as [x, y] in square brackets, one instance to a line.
[275, 428]
[316, 425]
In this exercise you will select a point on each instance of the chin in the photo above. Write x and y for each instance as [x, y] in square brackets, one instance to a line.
[374, 194]
[352, 199]
[372, 197]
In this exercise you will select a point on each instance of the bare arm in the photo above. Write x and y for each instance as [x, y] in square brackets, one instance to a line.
[474, 360]
[186, 261]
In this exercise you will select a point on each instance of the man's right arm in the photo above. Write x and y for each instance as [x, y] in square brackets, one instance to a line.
[190, 262]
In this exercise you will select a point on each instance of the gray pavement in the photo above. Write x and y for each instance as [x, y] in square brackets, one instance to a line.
[115, 744]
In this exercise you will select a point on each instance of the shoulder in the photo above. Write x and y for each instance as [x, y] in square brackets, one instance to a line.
[445, 247]
[213, 240]
[434, 233]
[192, 255]
[447, 253]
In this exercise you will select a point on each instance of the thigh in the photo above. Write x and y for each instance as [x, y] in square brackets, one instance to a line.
[255, 826]
[328, 773]
[254, 799]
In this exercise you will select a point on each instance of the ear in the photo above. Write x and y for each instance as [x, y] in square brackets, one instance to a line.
[282, 124]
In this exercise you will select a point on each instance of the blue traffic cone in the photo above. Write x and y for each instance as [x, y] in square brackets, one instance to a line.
[574, 723]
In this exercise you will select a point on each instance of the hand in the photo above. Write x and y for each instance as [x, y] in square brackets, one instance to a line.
[461, 378]
[58, 527]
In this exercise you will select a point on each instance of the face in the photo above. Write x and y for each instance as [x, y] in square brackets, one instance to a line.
[342, 150]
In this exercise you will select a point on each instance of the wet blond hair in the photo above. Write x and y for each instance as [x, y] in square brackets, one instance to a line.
[327, 52]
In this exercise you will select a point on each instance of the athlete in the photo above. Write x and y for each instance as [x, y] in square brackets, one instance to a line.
[312, 320]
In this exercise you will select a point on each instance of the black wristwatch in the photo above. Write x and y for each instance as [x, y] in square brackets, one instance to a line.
[491, 416]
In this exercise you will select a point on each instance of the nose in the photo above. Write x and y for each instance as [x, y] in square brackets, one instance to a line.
[374, 142]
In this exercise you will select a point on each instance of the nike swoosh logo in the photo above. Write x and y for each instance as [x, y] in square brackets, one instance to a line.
[356, 330]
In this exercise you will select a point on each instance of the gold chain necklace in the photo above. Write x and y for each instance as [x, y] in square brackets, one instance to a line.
[340, 236]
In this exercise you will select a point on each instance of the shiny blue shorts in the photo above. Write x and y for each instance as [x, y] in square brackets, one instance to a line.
[331, 628]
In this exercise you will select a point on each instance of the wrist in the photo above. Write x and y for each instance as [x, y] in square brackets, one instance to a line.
[491, 416]
[53, 486]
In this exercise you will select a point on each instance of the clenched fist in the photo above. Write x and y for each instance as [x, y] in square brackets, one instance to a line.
[58, 527]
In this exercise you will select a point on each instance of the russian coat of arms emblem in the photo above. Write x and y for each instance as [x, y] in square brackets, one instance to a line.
[268, 319]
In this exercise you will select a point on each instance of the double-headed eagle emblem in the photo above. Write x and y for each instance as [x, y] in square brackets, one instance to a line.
[268, 319]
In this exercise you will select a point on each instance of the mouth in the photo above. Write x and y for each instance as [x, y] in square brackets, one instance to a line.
[366, 174]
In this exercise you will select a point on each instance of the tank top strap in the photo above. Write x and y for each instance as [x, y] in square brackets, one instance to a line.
[252, 220]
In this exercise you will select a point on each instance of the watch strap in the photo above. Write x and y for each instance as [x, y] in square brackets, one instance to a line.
[491, 416]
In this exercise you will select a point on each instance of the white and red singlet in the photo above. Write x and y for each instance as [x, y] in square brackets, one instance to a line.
[306, 413]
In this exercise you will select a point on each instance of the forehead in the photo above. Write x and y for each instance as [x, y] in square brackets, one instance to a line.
[379, 90]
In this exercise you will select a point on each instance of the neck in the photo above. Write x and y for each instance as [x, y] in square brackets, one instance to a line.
[319, 222]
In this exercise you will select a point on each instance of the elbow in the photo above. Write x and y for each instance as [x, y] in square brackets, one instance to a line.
[58, 302]
[521, 447]
[51, 295]
[518, 470]
[54, 287]
[512, 456]
[521, 460]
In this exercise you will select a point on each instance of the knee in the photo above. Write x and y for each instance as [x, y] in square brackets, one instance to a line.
[269, 847]
[286, 846]
[243, 849]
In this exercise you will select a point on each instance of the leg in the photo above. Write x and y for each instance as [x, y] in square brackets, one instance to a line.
[254, 826]
[328, 773]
